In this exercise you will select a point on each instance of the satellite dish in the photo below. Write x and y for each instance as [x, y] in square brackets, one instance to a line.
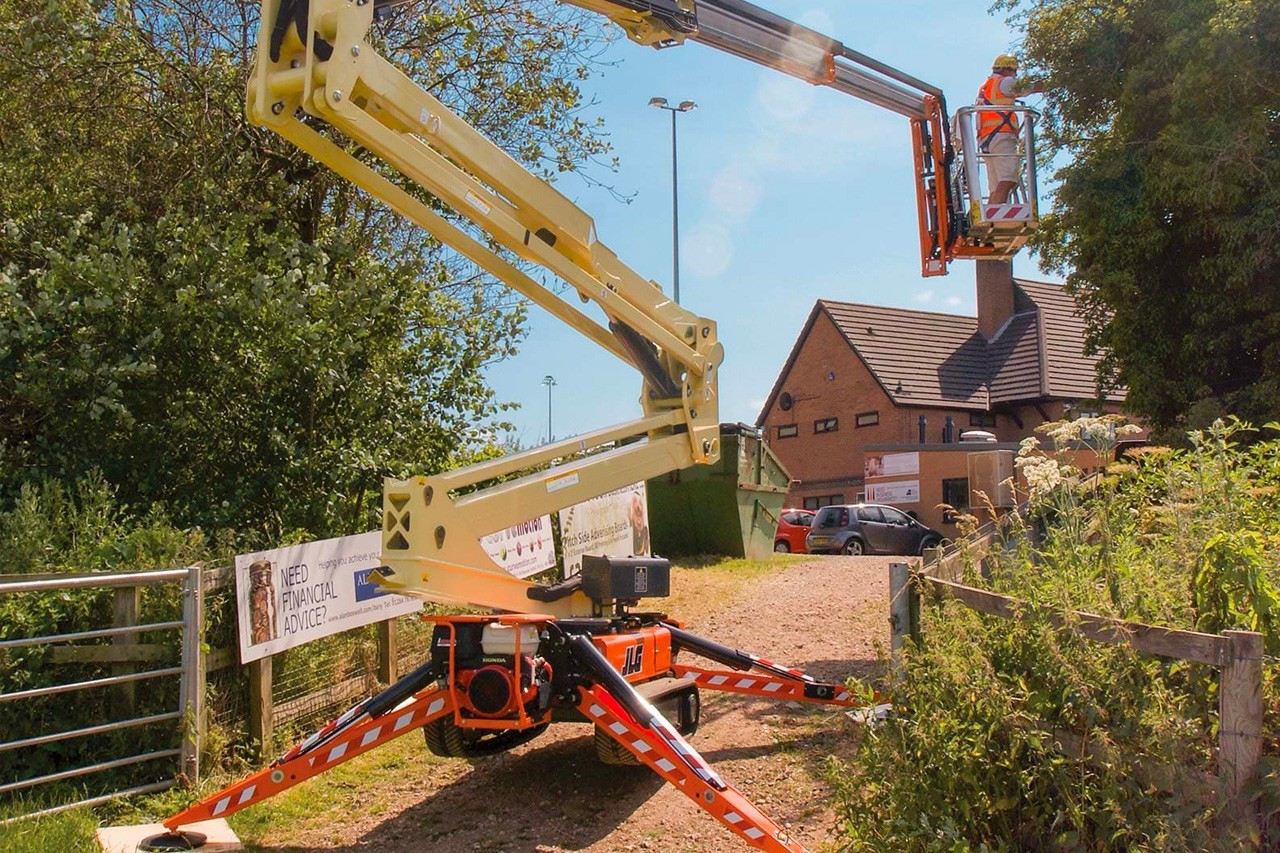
[786, 401]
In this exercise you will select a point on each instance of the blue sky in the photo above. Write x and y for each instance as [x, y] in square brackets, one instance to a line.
[789, 193]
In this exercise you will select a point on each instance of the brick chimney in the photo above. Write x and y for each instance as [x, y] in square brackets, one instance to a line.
[995, 296]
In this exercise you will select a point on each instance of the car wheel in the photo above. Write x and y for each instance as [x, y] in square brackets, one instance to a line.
[853, 547]
[927, 543]
[781, 546]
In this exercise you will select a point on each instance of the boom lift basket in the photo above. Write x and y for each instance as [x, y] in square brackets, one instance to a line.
[986, 230]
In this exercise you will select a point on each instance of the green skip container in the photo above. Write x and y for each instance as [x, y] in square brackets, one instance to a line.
[728, 509]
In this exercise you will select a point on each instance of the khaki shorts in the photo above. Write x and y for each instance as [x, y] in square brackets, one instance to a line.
[1002, 160]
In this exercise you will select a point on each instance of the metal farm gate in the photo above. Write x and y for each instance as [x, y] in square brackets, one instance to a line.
[101, 686]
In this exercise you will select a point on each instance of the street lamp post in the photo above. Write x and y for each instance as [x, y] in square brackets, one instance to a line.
[684, 107]
[550, 382]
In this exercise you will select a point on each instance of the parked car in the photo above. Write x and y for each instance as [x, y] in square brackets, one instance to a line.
[793, 526]
[868, 529]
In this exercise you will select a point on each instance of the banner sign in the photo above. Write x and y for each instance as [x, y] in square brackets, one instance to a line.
[616, 524]
[890, 464]
[901, 492]
[523, 549]
[289, 596]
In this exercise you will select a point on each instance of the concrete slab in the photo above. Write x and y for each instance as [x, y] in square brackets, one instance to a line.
[125, 839]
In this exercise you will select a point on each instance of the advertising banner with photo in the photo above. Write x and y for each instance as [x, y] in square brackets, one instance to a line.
[289, 596]
[616, 524]
[523, 549]
[890, 465]
[900, 492]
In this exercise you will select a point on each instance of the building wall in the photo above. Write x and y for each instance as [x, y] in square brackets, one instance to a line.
[829, 380]
[940, 463]
[937, 463]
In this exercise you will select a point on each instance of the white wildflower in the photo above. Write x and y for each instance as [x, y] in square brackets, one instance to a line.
[1097, 430]
[1043, 474]
[1061, 432]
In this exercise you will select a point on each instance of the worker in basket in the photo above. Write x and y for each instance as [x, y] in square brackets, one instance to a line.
[998, 129]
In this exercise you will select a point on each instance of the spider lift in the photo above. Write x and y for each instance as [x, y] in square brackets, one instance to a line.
[580, 650]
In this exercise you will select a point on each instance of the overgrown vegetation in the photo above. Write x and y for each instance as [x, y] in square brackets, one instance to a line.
[1014, 735]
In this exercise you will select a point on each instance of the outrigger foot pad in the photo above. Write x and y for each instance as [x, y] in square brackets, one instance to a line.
[185, 840]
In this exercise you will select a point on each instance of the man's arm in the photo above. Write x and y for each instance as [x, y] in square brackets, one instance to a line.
[1010, 89]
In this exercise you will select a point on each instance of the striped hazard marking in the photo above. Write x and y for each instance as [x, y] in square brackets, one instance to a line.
[667, 753]
[796, 687]
[1006, 212]
[428, 705]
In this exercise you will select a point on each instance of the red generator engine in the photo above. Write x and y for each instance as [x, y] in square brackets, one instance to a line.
[500, 683]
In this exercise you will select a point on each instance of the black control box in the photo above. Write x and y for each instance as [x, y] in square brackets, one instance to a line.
[605, 578]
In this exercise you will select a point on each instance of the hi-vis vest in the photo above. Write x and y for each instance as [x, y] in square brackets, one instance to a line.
[991, 122]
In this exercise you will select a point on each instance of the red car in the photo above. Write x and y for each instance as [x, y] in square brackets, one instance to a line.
[793, 526]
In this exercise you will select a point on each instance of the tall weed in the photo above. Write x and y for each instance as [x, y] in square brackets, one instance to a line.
[1016, 735]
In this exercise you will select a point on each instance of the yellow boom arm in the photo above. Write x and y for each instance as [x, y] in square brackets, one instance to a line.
[314, 57]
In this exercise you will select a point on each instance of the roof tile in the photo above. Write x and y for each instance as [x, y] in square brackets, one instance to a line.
[926, 359]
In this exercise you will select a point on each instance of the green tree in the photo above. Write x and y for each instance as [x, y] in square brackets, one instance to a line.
[1164, 218]
[210, 318]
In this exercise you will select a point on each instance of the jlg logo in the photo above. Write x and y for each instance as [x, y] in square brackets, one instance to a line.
[634, 655]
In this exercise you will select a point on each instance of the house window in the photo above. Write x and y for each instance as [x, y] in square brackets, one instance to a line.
[1072, 411]
[955, 492]
[826, 425]
[982, 419]
[866, 419]
[823, 500]
[788, 431]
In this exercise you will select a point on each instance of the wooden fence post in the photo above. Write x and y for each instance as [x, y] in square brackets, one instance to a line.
[1240, 713]
[388, 652]
[261, 713]
[127, 605]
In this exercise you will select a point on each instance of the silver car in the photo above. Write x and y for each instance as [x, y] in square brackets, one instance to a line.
[868, 529]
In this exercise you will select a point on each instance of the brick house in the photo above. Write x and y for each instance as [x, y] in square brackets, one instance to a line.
[866, 385]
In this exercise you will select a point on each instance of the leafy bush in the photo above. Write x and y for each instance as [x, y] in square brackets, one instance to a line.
[1011, 735]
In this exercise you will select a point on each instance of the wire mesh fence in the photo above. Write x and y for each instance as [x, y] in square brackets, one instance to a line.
[310, 684]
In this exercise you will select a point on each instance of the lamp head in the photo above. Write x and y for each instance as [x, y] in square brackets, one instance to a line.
[658, 102]
[685, 106]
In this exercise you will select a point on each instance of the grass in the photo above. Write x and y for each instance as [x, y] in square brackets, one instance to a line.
[702, 587]
[66, 832]
[325, 801]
